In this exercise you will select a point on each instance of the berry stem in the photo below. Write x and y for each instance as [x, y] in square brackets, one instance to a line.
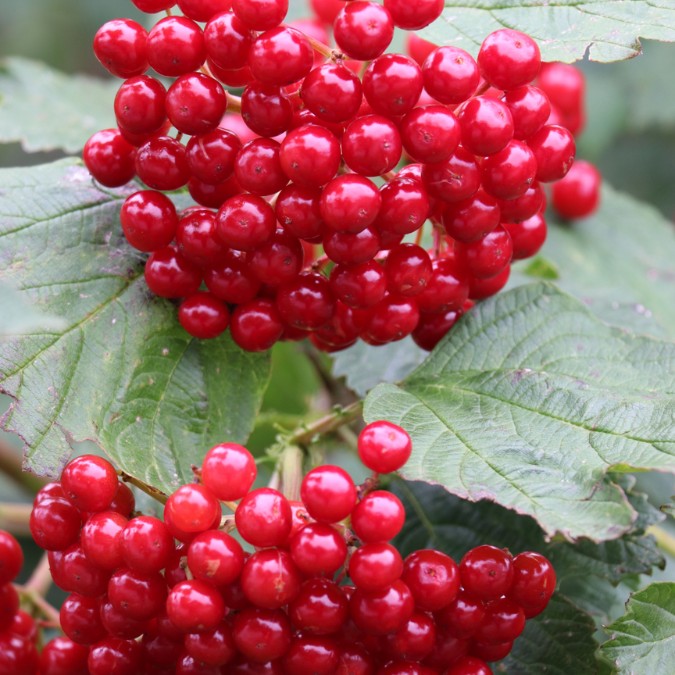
[233, 103]
[664, 539]
[322, 48]
[306, 434]
[144, 487]
[291, 473]
[40, 580]
[14, 518]
[38, 602]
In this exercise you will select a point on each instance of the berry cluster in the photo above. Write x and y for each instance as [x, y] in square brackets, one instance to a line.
[320, 589]
[305, 224]
[18, 629]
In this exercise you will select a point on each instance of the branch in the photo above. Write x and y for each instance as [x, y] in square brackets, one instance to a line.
[10, 465]
[307, 433]
[153, 492]
[15, 518]
[664, 539]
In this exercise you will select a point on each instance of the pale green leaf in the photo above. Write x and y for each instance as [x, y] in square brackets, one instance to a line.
[608, 30]
[643, 640]
[121, 372]
[45, 109]
[529, 401]
[18, 316]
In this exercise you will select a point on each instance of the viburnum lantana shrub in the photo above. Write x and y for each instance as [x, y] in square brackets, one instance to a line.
[298, 289]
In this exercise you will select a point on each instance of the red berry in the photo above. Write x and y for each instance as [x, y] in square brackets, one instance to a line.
[120, 47]
[195, 606]
[455, 179]
[527, 236]
[146, 544]
[195, 103]
[116, 655]
[62, 656]
[109, 158]
[432, 577]
[504, 621]
[363, 30]
[228, 471]
[349, 203]
[306, 302]
[392, 84]
[509, 173]
[89, 482]
[318, 549]
[430, 134]
[260, 14]
[9, 606]
[530, 108]
[462, 616]
[161, 163]
[270, 578]
[509, 59]
[383, 611]
[379, 516]
[554, 149]
[312, 654]
[149, 220]
[232, 280]
[577, 195]
[263, 518]
[470, 665]
[450, 75]
[191, 508]
[375, 566]
[170, 275]
[414, 640]
[486, 572]
[329, 493]
[487, 125]
[80, 620]
[414, 15]
[101, 539]
[55, 523]
[384, 447]
[371, 145]
[320, 607]
[280, 56]
[215, 557]
[310, 155]
[203, 316]
[261, 635]
[534, 580]
[433, 326]
[245, 221]
[256, 325]
[140, 105]
[332, 92]
[175, 46]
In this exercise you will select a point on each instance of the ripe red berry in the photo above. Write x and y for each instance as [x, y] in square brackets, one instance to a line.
[371, 145]
[430, 133]
[161, 163]
[89, 482]
[195, 103]
[119, 45]
[260, 14]
[263, 518]
[318, 549]
[280, 56]
[509, 59]
[110, 158]
[270, 578]
[332, 92]
[175, 46]
[228, 471]
[169, 274]
[554, 150]
[146, 544]
[261, 635]
[470, 665]
[310, 155]
[140, 105]
[320, 607]
[527, 236]
[245, 222]
[363, 30]
[577, 195]
[415, 15]
[486, 572]
[350, 203]
[215, 557]
[534, 580]
[487, 125]
[191, 508]
[382, 611]
[256, 326]
[329, 493]
[195, 606]
[384, 447]
[392, 84]
[11, 557]
[509, 173]
[450, 75]
[203, 315]
[149, 220]
[101, 539]
[375, 566]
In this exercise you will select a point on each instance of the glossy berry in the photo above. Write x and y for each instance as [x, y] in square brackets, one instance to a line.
[375, 566]
[306, 302]
[194, 605]
[470, 665]
[169, 274]
[119, 45]
[454, 179]
[487, 257]
[328, 493]
[149, 220]
[140, 105]
[89, 482]
[504, 621]
[509, 173]
[349, 203]
[405, 207]
[175, 46]
[195, 103]
[362, 285]
[392, 84]
[509, 59]
[383, 611]
[310, 155]
[55, 523]
[110, 158]
[245, 221]
[332, 92]
[413, 16]
[191, 508]
[363, 30]
[486, 572]
[432, 577]
[101, 539]
[215, 557]
[263, 517]
[318, 549]
[473, 218]
[378, 517]
[62, 656]
[554, 150]
[11, 557]
[534, 580]
[228, 471]
[527, 236]
[261, 635]
[256, 325]
[384, 447]
[530, 108]
[450, 75]
[203, 315]
[577, 195]
[260, 14]
[371, 145]
[486, 124]
[114, 654]
[297, 209]
[430, 133]
[161, 163]
[146, 544]
[280, 56]
[270, 578]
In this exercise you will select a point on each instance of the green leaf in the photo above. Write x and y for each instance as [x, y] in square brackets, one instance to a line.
[541, 268]
[122, 372]
[557, 642]
[529, 401]
[620, 263]
[643, 640]
[364, 366]
[18, 316]
[48, 110]
[609, 30]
